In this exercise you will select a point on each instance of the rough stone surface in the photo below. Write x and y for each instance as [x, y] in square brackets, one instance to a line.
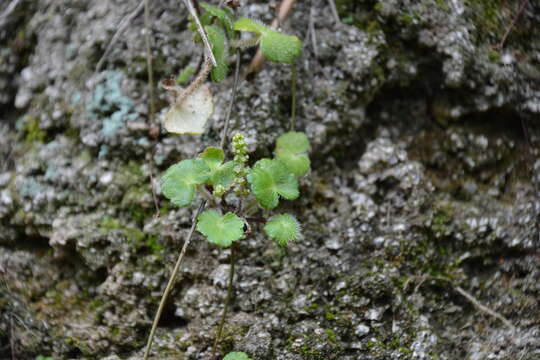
[425, 182]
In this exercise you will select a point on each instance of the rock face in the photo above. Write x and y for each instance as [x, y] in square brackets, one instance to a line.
[424, 119]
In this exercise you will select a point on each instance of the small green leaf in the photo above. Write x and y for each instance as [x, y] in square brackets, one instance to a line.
[293, 141]
[237, 356]
[246, 24]
[275, 46]
[213, 156]
[220, 173]
[282, 229]
[224, 14]
[220, 230]
[279, 47]
[291, 149]
[270, 179]
[180, 180]
[216, 36]
[183, 77]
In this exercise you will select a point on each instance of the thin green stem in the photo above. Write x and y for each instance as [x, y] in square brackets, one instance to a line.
[227, 302]
[152, 108]
[293, 96]
[171, 280]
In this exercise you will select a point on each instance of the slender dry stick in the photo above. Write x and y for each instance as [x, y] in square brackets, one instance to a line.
[200, 28]
[469, 297]
[231, 104]
[10, 8]
[518, 14]
[484, 308]
[171, 280]
[227, 302]
[152, 109]
[293, 95]
[334, 11]
[126, 21]
[312, 33]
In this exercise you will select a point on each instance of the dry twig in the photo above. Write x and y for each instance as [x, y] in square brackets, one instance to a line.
[466, 295]
[126, 21]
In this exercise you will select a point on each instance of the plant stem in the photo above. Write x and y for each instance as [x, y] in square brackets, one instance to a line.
[171, 280]
[293, 95]
[200, 28]
[227, 302]
[231, 105]
[152, 109]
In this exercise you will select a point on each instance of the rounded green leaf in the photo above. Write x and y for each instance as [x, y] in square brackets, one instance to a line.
[282, 229]
[293, 141]
[275, 46]
[237, 355]
[270, 179]
[213, 157]
[179, 181]
[291, 149]
[220, 230]
[216, 36]
[279, 47]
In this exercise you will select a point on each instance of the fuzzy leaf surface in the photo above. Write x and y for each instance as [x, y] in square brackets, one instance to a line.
[179, 182]
[246, 24]
[279, 47]
[237, 356]
[271, 179]
[291, 149]
[282, 228]
[220, 230]
[275, 46]
[216, 36]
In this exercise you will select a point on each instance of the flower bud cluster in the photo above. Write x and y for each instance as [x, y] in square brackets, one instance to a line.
[240, 160]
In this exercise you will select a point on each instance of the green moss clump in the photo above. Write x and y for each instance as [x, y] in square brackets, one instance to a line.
[33, 131]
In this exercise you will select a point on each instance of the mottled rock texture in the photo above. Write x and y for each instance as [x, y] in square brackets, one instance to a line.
[425, 132]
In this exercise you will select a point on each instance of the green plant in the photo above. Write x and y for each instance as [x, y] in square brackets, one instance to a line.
[236, 356]
[233, 188]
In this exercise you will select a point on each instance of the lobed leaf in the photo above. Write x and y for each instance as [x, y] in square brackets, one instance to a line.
[282, 229]
[291, 150]
[237, 356]
[179, 182]
[220, 230]
[271, 179]
[220, 173]
[217, 38]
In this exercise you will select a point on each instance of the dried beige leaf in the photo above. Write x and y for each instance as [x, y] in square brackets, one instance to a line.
[190, 116]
